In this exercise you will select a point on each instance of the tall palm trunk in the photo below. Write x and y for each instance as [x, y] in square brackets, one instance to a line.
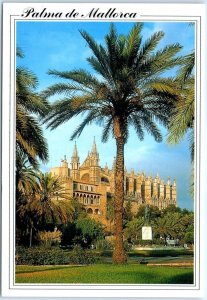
[119, 254]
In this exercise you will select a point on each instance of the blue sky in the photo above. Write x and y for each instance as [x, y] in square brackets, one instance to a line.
[59, 45]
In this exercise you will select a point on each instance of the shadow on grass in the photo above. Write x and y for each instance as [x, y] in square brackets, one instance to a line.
[50, 268]
[186, 278]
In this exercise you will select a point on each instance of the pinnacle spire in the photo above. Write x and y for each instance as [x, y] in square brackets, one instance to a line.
[94, 148]
[75, 152]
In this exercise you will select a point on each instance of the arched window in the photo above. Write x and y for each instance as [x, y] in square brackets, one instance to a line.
[84, 199]
[89, 211]
[104, 179]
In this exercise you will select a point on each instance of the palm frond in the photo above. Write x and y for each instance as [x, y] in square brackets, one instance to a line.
[92, 115]
[149, 45]
[136, 123]
[107, 129]
[63, 88]
[63, 110]
[80, 76]
[181, 120]
[163, 85]
[29, 136]
[97, 52]
[160, 61]
[152, 128]
[133, 42]
[188, 66]
[25, 78]
[19, 52]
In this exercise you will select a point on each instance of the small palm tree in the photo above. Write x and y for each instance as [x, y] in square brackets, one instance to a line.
[29, 106]
[26, 185]
[133, 230]
[43, 206]
[168, 225]
[130, 92]
[52, 202]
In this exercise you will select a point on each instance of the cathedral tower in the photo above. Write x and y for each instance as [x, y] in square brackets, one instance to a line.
[174, 192]
[94, 165]
[75, 172]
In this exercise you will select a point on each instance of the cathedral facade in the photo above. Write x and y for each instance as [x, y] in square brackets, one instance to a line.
[92, 185]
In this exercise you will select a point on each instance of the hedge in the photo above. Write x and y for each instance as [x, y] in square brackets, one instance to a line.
[53, 256]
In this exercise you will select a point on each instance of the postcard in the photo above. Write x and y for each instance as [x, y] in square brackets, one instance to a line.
[103, 161]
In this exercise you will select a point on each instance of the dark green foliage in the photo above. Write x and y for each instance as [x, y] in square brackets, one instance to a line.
[189, 237]
[185, 211]
[181, 122]
[128, 212]
[41, 210]
[89, 229]
[189, 234]
[104, 245]
[41, 256]
[160, 253]
[83, 231]
[78, 210]
[29, 107]
[69, 232]
[127, 246]
[153, 211]
[80, 256]
[53, 256]
[133, 230]
[171, 209]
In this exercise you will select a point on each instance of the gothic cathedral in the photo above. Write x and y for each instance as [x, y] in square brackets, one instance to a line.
[92, 185]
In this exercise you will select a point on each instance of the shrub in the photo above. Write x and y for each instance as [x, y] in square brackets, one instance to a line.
[127, 246]
[49, 238]
[53, 256]
[80, 256]
[41, 256]
[89, 230]
[104, 245]
[145, 243]
[189, 237]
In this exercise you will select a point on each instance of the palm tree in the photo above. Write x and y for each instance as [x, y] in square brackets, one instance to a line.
[183, 115]
[26, 177]
[29, 106]
[52, 202]
[26, 185]
[182, 118]
[128, 91]
[133, 230]
[49, 205]
[168, 225]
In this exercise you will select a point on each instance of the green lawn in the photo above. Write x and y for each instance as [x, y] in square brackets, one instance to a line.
[132, 273]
